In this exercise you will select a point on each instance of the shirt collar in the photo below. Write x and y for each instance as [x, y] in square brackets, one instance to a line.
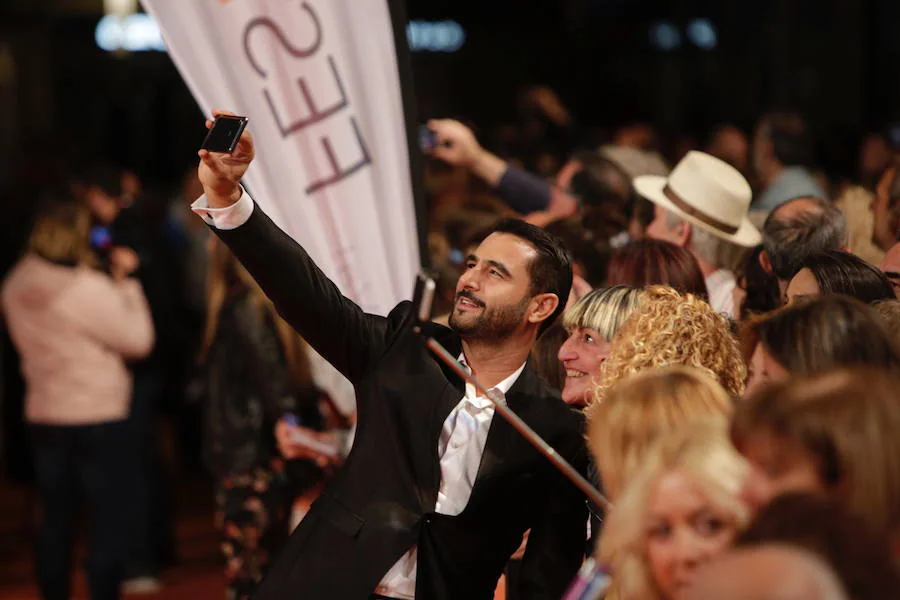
[472, 394]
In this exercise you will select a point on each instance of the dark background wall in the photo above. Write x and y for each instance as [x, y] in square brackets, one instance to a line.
[835, 60]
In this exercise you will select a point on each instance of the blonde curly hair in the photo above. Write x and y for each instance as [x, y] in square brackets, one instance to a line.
[668, 328]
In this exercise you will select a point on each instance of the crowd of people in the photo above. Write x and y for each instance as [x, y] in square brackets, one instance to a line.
[712, 339]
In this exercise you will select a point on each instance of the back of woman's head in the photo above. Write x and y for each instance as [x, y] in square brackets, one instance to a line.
[656, 262]
[668, 328]
[847, 422]
[603, 309]
[839, 272]
[860, 556]
[641, 409]
[61, 232]
[822, 333]
[699, 451]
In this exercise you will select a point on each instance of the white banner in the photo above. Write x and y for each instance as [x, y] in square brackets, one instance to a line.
[319, 81]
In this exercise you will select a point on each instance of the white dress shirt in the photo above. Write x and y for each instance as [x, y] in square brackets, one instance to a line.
[460, 446]
[720, 286]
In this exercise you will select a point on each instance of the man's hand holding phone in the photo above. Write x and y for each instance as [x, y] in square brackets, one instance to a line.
[221, 172]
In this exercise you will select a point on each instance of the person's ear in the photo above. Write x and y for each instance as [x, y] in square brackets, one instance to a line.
[542, 307]
[683, 232]
[765, 262]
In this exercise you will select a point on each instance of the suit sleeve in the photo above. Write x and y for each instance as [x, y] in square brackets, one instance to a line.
[556, 545]
[338, 329]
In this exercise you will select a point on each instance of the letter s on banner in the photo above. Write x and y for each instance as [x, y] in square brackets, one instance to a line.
[320, 83]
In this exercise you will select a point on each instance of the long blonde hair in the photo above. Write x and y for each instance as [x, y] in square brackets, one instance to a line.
[227, 274]
[645, 407]
[702, 452]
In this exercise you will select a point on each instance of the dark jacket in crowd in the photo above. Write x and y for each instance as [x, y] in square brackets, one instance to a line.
[248, 388]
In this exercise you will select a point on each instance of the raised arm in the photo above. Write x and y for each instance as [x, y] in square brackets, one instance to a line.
[524, 192]
[336, 327]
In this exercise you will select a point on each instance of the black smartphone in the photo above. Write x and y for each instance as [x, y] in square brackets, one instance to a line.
[223, 136]
[427, 139]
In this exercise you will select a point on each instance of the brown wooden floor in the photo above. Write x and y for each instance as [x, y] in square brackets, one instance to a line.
[197, 576]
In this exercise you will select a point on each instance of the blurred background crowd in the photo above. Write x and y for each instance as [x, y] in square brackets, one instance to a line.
[139, 357]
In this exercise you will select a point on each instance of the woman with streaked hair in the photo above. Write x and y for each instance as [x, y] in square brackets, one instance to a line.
[645, 407]
[833, 434]
[814, 336]
[591, 325]
[681, 510]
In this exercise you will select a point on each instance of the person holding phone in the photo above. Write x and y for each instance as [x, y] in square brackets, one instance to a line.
[436, 493]
[75, 326]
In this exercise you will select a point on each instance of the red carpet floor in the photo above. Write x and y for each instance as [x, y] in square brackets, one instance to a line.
[197, 575]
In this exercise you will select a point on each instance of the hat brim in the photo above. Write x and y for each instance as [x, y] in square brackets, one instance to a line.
[651, 187]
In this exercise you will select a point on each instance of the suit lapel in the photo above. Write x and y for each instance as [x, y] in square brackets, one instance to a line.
[448, 398]
[500, 449]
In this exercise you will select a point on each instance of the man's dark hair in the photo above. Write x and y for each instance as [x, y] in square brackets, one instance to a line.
[860, 557]
[551, 270]
[790, 137]
[838, 272]
[788, 242]
[585, 247]
[760, 286]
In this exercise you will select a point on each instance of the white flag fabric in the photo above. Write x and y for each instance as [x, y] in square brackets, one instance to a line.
[320, 84]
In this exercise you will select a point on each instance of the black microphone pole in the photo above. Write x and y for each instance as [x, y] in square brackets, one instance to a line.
[422, 299]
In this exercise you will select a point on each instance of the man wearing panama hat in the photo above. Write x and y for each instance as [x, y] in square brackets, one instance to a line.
[703, 202]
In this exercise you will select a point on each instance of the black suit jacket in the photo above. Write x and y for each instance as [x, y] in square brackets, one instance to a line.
[382, 500]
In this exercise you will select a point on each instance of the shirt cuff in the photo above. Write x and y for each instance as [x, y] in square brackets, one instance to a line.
[230, 217]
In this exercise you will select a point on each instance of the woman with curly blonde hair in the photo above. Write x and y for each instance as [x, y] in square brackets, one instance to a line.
[673, 329]
[681, 510]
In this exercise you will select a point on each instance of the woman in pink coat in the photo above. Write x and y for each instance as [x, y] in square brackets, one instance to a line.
[75, 326]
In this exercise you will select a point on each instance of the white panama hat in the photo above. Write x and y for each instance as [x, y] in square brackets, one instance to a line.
[707, 192]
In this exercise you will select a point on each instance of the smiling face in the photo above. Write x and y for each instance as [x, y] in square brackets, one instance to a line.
[493, 295]
[685, 531]
[582, 354]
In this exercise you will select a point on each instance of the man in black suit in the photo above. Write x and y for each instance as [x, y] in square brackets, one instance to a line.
[437, 492]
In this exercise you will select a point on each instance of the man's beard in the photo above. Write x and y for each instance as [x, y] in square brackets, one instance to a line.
[492, 324]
